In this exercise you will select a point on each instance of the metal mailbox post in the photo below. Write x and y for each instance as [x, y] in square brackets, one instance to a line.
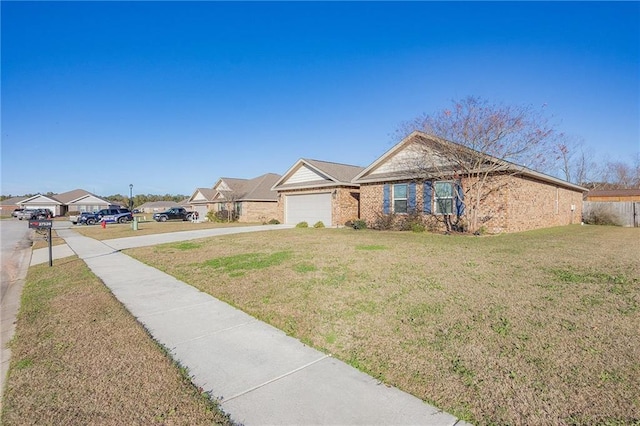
[44, 224]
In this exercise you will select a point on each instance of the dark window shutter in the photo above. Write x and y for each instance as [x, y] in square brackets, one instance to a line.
[459, 199]
[426, 199]
[386, 199]
[411, 198]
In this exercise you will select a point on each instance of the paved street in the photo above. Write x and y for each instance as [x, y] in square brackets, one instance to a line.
[14, 251]
[15, 255]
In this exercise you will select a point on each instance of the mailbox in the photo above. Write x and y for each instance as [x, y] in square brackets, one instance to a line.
[41, 224]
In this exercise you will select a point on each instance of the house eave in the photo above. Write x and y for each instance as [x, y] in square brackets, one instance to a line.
[317, 184]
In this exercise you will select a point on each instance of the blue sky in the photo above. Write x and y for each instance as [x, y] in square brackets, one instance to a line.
[170, 96]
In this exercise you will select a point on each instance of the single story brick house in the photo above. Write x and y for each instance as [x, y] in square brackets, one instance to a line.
[75, 201]
[318, 191]
[253, 200]
[79, 200]
[8, 206]
[517, 198]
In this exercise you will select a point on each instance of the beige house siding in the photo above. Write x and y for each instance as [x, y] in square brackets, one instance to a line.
[344, 203]
[517, 204]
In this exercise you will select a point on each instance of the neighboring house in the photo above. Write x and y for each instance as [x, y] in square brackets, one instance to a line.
[79, 200]
[157, 206]
[8, 206]
[185, 203]
[517, 199]
[253, 200]
[73, 202]
[40, 201]
[613, 195]
[312, 191]
[202, 201]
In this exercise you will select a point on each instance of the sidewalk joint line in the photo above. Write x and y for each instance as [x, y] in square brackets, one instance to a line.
[164, 311]
[274, 379]
[217, 332]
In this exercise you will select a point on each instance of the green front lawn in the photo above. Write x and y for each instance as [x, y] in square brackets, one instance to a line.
[531, 328]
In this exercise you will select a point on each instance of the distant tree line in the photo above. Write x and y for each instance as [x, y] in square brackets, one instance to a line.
[140, 199]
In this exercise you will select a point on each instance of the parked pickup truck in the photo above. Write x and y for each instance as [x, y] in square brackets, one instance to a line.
[106, 215]
[29, 214]
[174, 213]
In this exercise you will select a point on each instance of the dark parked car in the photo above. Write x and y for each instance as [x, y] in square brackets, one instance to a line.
[174, 213]
[106, 215]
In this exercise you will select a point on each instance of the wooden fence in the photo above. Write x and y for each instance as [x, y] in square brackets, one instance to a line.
[623, 213]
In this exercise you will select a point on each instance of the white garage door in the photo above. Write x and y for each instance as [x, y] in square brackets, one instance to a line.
[309, 208]
[202, 211]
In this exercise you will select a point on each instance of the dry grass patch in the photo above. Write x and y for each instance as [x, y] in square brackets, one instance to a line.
[531, 328]
[40, 239]
[78, 357]
[121, 230]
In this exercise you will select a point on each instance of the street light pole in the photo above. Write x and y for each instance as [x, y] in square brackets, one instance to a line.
[131, 196]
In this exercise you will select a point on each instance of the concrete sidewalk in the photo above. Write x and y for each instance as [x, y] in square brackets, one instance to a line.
[259, 374]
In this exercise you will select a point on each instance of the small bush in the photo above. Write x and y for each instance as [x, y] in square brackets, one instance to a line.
[274, 222]
[418, 227]
[225, 216]
[599, 216]
[302, 225]
[384, 222]
[359, 224]
[319, 224]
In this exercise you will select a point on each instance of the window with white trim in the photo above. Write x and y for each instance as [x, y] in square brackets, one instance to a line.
[400, 198]
[444, 197]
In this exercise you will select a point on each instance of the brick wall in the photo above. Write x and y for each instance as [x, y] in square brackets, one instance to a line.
[533, 204]
[258, 211]
[514, 204]
[345, 206]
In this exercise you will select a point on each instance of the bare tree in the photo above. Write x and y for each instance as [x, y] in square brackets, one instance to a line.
[621, 175]
[478, 141]
[230, 200]
[576, 163]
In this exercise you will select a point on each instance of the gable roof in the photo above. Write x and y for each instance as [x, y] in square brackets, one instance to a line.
[308, 173]
[402, 162]
[47, 199]
[77, 195]
[259, 188]
[13, 201]
[256, 189]
[208, 194]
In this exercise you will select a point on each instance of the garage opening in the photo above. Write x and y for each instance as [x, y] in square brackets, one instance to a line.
[309, 208]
